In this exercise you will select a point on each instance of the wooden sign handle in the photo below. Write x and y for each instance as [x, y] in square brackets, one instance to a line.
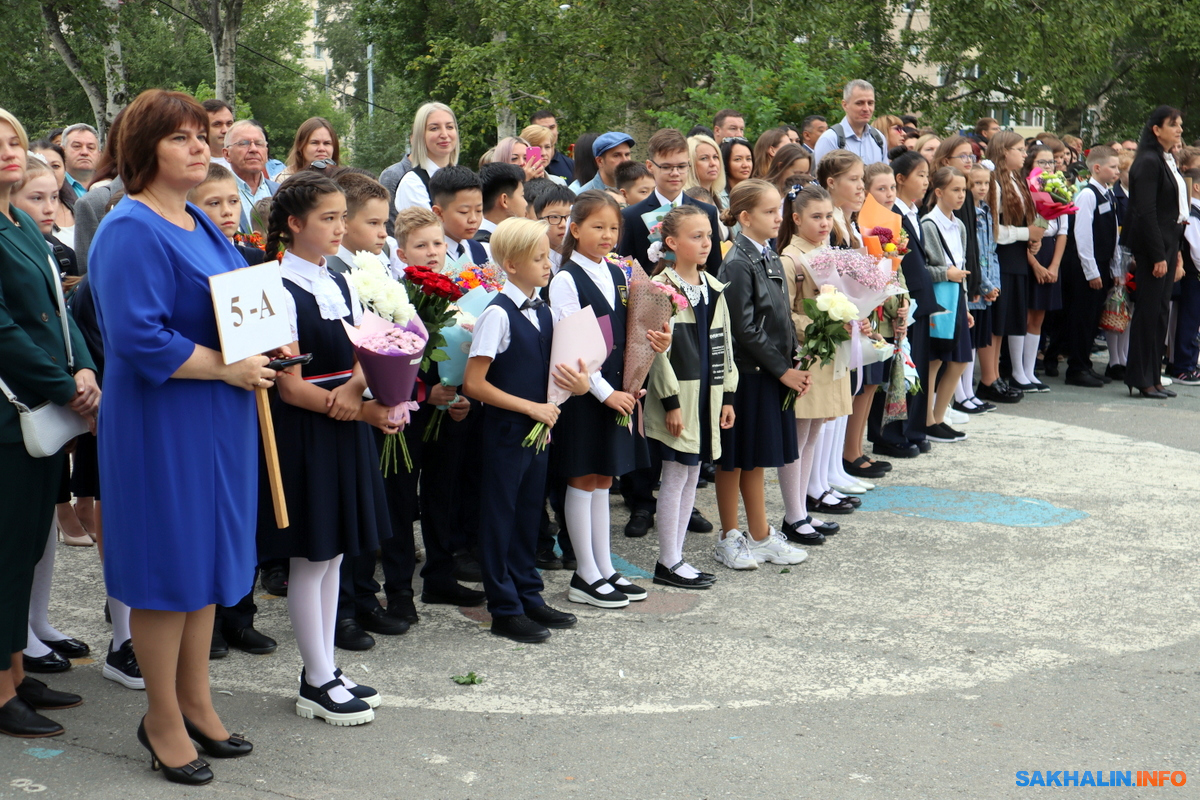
[267, 427]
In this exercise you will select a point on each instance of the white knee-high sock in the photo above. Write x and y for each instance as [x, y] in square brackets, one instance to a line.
[794, 477]
[120, 622]
[305, 599]
[577, 507]
[686, 501]
[817, 483]
[1032, 340]
[39, 596]
[837, 474]
[670, 497]
[602, 533]
[965, 389]
[1016, 352]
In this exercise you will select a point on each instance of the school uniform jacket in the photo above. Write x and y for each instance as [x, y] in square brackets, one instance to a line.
[1152, 228]
[635, 236]
[760, 315]
[916, 275]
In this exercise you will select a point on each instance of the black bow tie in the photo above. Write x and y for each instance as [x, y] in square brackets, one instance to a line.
[533, 304]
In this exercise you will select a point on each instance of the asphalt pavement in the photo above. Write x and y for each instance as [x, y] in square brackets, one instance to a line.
[1025, 600]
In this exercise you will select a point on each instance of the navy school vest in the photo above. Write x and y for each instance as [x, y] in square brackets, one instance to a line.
[524, 368]
[590, 295]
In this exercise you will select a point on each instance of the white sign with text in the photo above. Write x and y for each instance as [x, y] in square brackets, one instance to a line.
[251, 311]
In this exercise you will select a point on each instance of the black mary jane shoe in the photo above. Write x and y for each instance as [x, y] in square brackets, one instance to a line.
[193, 773]
[862, 467]
[39, 695]
[827, 528]
[829, 504]
[68, 648]
[667, 576]
[630, 590]
[233, 747]
[18, 718]
[793, 533]
[51, 662]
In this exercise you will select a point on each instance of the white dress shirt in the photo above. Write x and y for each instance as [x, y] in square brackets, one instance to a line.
[317, 281]
[492, 332]
[1085, 243]
[1180, 187]
[412, 192]
[910, 213]
[663, 201]
[952, 230]
[1007, 234]
[564, 301]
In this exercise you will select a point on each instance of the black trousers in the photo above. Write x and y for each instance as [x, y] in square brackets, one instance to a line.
[1081, 309]
[240, 615]
[1148, 328]
[444, 507]
[28, 489]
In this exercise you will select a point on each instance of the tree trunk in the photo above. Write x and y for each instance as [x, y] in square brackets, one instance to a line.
[115, 79]
[95, 96]
[222, 19]
[506, 120]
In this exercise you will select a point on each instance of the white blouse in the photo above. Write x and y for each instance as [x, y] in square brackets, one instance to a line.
[317, 281]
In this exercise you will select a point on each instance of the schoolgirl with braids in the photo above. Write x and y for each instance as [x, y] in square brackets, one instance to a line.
[690, 397]
[330, 464]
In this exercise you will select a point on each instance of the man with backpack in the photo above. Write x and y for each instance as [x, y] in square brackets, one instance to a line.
[854, 132]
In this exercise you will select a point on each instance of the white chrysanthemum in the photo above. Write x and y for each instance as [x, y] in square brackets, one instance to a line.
[378, 290]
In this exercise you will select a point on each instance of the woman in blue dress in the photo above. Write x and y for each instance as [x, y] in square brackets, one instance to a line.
[177, 435]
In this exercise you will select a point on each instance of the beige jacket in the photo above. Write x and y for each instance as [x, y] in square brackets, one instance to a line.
[826, 397]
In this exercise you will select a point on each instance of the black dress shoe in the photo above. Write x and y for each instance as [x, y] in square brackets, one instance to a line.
[39, 695]
[667, 576]
[1083, 379]
[378, 621]
[250, 640]
[1051, 367]
[827, 528]
[548, 561]
[828, 504]
[698, 524]
[923, 446]
[233, 747]
[639, 524]
[193, 773]
[349, 635]
[68, 648]
[1115, 371]
[793, 533]
[570, 563]
[467, 569]
[18, 718]
[862, 467]
[708, 472]
[219, 647]
[275, 580]
[998, 392]
[895, 450]
[454, 595]
[551, 617]
[51, 662]
[519, 628]
[1103, 377]
[403, 607]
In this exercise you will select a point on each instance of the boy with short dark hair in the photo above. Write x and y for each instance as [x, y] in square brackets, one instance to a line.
[503, 197]
[366, 219]
[457, 196]
[553, 207]
[634, 182]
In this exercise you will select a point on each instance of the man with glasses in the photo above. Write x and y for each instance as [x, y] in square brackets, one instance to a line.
[668, 164]
[854, 132]
[246, 150]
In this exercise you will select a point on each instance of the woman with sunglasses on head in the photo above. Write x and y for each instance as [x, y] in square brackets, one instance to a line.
[315, 145]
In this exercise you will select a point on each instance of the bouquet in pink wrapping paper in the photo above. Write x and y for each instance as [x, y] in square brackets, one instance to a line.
[579, 336]
[390, 355]
[651, 305]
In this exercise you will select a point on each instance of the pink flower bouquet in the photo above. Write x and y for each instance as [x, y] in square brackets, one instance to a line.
[651, 305]
[390, 355]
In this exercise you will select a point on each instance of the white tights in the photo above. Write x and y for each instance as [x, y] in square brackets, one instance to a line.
[312, 606]
[794, 478]
[675, 499]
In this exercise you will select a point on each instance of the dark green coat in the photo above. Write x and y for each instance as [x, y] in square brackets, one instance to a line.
[33, 355]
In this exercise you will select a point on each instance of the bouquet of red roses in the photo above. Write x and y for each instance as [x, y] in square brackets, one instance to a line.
[431, 293]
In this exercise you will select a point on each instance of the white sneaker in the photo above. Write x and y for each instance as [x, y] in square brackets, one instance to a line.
[776, 549]
[1165, 381]
[733, 552]
[957, 417]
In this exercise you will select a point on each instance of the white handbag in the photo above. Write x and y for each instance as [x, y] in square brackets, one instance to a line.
[48, 427]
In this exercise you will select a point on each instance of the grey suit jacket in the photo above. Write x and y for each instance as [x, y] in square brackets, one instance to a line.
[89, 210]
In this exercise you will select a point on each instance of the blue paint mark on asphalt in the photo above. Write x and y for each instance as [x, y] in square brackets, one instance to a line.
[42, 752]
[629, 570]
[954, 506]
